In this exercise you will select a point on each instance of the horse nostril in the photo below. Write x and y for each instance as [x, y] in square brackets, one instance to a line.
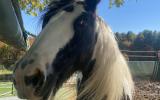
[35, 80]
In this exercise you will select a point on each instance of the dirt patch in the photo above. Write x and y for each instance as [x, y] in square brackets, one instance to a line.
[147, 90]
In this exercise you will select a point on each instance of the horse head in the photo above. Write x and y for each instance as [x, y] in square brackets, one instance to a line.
[64, 46]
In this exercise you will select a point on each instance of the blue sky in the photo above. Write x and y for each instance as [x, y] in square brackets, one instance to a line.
[134, 15]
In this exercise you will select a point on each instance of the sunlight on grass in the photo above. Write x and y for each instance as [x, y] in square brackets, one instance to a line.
[5, 72]
[6, 89]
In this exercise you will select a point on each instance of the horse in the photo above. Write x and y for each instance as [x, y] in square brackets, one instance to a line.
[74, 38]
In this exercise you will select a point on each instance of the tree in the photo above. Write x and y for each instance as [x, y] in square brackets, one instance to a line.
[9, 55]
[148, 37]
[138, 43]
[131, 36]
[157, 41]
[33, 7]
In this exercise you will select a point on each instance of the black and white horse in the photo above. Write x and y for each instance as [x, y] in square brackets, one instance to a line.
[74, 39]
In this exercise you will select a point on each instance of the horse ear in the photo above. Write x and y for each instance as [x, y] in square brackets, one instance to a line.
[92, 2]
[36, 80]
[91, 5]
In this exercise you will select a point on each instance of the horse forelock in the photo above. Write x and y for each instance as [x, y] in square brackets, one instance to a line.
[53, 8]
[56, 6]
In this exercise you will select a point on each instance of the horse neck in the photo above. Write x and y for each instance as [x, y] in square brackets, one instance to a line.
[110, 71]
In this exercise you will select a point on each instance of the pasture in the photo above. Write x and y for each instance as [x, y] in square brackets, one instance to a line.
[6, 89]
[4, 71]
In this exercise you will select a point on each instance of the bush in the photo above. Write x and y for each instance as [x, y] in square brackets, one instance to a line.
[9, 55]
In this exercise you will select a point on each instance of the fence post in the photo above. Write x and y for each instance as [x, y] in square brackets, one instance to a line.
[156, 71]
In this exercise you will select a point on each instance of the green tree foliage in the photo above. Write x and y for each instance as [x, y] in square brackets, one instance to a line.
[157, 42]
[145, 40]
[118, 3]
[123, 40]
[131, 36]
[138, 43]
[33, 7]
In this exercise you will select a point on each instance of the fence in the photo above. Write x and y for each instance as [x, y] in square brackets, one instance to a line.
[143, 69]
[149, 68]
[141, 55]
[143, 61]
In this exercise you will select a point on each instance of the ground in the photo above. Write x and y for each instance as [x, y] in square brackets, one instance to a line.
[4, 71]
[147, 90]
[9, 98]
[6, 89]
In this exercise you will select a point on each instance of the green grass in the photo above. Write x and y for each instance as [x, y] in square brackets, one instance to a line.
[4, 90]
[6, 87]
[5, 72]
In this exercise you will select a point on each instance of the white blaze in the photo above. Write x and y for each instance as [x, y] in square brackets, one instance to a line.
[56, 34]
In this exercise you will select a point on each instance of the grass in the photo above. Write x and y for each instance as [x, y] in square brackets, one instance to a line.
[5, 71]
[6, 89]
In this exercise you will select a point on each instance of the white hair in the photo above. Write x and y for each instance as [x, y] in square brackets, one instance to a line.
[111, 76]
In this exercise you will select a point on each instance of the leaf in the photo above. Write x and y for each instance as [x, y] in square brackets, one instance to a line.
[33, 14]
[33, 7]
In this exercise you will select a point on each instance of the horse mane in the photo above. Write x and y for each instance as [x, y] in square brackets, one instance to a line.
[110, 78]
